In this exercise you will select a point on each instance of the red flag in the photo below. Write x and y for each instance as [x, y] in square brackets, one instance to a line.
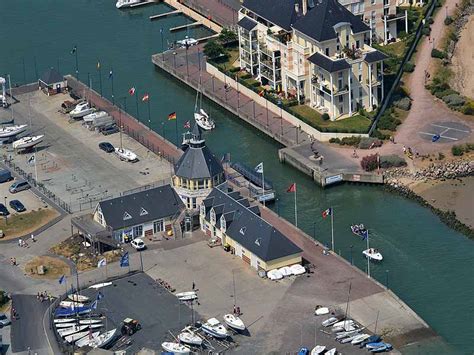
[146, 97]
[131, 91]
[261, 93]
[292, 188]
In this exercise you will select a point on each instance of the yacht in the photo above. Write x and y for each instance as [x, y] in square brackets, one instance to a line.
[10, 131]
[121, 4]
[200, 116]
[214, 328]
[81, 110]
[373, 254]
[27, 142]
[126, 155]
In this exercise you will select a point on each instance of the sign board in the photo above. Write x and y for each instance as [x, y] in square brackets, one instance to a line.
[333, 179]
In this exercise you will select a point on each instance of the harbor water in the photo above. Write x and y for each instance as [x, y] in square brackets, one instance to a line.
[428, 265]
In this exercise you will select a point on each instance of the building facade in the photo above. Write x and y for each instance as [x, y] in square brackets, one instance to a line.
[315, 52]
[227, 217]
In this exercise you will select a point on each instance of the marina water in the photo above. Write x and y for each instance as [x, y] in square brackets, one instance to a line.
[425, 263]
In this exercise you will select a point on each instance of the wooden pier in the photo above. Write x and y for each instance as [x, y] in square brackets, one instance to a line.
[182, 27]
[166, 14]
[143, 3]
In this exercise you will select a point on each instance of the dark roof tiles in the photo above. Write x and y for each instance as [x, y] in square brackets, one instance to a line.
[328, 64]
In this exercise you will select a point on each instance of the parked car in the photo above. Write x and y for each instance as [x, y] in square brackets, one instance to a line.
[4, 321]
[106, 147]
[110, 130]
[18, 186]
[4, 210]
[17, 205]
[138, 244]
[5, 175]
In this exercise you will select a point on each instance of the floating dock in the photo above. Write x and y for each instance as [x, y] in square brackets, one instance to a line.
[166, 14]
[143, 3]
[183, 27]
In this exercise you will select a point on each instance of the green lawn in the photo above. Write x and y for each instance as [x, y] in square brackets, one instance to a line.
[354, 124]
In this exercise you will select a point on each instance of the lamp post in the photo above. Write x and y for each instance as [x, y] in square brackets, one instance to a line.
[386, 278]
[278, 206]
[314, 230]
[280, 104]
[5, 203]
[352, 260]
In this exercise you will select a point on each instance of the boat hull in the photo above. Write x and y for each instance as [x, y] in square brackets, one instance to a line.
[203, 122]
[24, 144]
[12, 131]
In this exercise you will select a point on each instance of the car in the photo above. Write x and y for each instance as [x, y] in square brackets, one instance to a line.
[4, 210]
[4, 321]
[18, 186]
[17, 205]
[106, 147]
[110, 130]
[138, 244]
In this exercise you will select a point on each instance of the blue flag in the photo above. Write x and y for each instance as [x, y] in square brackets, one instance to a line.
[94, 305]
[124, 260]
[365, 234]
[100, 295]
[62, 279]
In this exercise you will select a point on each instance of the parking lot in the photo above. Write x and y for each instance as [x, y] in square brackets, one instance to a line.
[69, 161]
[445, 132]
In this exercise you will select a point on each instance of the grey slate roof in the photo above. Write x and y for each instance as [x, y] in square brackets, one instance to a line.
[51, 76]
[251, 231]
[144, 206]
[198, 162]
[247, 23]
[374, 56]
[327, 64]
[278, 12]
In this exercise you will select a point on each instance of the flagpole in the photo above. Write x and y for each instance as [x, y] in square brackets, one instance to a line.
[368, 259]
[296, 212]
[77, 63]
[332, 228]
[177, 137]
[36, 169]
[112, 82]
[100, 78]
[263, 186]
[149, 115]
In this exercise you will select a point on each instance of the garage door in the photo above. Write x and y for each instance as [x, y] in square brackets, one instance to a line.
[245, 258]
[238, 250]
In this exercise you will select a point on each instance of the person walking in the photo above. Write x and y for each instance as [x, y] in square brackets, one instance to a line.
[20, 242]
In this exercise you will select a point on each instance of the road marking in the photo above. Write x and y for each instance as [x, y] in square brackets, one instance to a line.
[433, 134]
[454, 129]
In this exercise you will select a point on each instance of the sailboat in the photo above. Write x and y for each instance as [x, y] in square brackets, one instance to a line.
[125, 154]
[9, 131]
[200, 116]
[27, 142]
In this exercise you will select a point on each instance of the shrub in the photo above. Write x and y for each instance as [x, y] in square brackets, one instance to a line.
[435, 53]
[403, 104]
[245, 76]
[441, 94]
[388, 122]
[430, 20]
[382, 136]
[454, 100]
[325, 116]
[389, 161]
[335, 140]
[457, 150]
[426, 31]
[468, 109]
[440, 156]
[234, 69]
[353, 141]
[448, 20]
[369, 142]
[369, 162]
[214, 49]
[409, 67]
[3, 298]
[253, 82]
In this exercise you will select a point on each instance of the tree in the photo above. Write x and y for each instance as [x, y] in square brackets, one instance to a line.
[214, 49]
[227, 36]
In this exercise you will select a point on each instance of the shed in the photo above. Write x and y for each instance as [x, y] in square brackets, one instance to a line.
[52, 82]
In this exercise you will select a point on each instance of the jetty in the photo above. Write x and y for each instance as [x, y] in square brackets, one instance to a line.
[183, 27]
[166, 14]
[144, 3]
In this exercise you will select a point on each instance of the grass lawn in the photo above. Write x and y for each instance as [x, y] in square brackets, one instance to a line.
[25, 223]
[355, 124]
[54, 267]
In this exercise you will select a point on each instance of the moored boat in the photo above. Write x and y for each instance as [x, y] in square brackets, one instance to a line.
[122, 4]
[320, 310]
[74, 329]
[234, 322]
[10, 131]
[70, 304]
[103, 284]
[103, 339]
[64, 320]
[200, 116]
[65, 325]
[333, 351]
[187, 296]
[381, 348]
[78, 298]
[187, 336]
[175, 348]
[76, 336]
[86, 339]
[360, 338]
[330, 321]
[373, 254]
[90, 321]
[27, 142]
[214, 328]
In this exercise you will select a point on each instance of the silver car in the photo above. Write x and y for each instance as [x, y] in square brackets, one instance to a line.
[4, 321]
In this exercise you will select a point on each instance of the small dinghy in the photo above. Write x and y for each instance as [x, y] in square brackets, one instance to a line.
[318, 349]
[65, 325]
[78, 298]
[189, 337]
[381, 348]
[297, 269]
[373, 254]
[64, 320]
[90, 321]
[103, 339]
[74, 329]
[10, 131]
[285, 271]
[27, 142]
[359, 339]
[126, 155]
[320, 310]
[345, 334]
[214, 328]
[234, 322]
[67, 312]
[349, 339]
[187, 296]
[87, 339]
[70, 304]
[103, 284]
[331, 321]
[175, 348]
[333, 351]
[371, 339]
[76, 336]
[359, 230]
[274, 275]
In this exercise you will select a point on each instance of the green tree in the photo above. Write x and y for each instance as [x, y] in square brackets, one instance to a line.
[227, 36]
[214, 49]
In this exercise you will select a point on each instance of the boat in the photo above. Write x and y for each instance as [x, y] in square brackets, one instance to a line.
[200, 116]
[234, 322]
[94, 116]
[65, 325]
[359, 230]
[274, 275]
[360, 338]
[86, 339]
[331, 321]
[126, 155]
[90, 321]
[70, 304]
[303, 351]
[175, 348]
[103, 339]
[187, 296]
[82, 109]
[76, 336]
[372, 339]
[27, 142]
[64, 320]
[78, 298]
[260, 188]
[373, 254]
[297, 269]
[375, 345]
[66, 312]
[122, 4]
[333, 351]
[189, 337]
[214, 328]
[74, 329]
[320, 310]
[381, 348]
[10, 131]
[318, 349]
[103, 284]
[345, 334]
[187, 41]
[348, 339]
[285, 271]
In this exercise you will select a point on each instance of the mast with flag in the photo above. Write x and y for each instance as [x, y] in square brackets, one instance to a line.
[292, 188]
[125, 261]
[100, 76]
[259, 169]
[111, 77]
[330, 212]
[74, 52]
[172, 117]
[146, 98]
[132, 92]
[103, 263]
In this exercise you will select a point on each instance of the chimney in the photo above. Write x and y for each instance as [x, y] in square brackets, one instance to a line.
[305, 6]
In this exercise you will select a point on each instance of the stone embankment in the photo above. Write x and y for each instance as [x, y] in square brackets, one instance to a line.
[398, 180]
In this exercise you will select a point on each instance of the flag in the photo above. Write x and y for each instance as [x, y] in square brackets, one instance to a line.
[145, 97]
[172, 116]
[94, 305]
[62, 279]
[111, 74]
[187, 124]
[131, 91]
[259, 168]
[124, 260]
[365, 234]
[102, 262]
[98, 65]
[32, 159]
[74, 50]
[327, 212]
[261, 93]
[292, 188]
[100, 295]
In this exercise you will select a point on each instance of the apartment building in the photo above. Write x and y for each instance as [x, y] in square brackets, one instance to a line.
[316, 52]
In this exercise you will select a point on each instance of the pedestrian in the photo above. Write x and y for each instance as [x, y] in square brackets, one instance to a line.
[404, 150]
[33, 238]
[20, 242]
[235, 310]
[238, 311]
[38, 296]
[194, 285]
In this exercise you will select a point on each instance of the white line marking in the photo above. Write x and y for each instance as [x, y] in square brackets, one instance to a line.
[433, 134]
[454, 129]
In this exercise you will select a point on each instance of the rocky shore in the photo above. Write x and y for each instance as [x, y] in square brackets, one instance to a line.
[404, 182]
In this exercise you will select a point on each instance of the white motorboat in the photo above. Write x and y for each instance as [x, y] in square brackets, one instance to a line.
[76, 336]
[65, 325]
[333, 351]
[78, 298]
[331, 321]
[90, 321]
[234, 322]
[187, 296]
[297, 269]
[27, 142]
[94, 116]
[122, 4]
[10, 131]
[103, 284]
[175, 348]
[74, 329]
[70, 304]
[189, 337]
[373, 254]
[86, 339]
[320, 310]
[82, 109]
[214, 328]
[274, 275]
[349, 338]
[126, 155]
[200, 116]
[359, 339]
[187, 41]
[64, 320]
[103, 339]
[318, 349]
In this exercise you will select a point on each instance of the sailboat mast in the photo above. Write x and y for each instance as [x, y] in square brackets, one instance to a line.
[233, 283]
[368, 256]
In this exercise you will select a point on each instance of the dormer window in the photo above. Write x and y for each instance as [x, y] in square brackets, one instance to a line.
[126, 216]
[258, 241]
[242, 230]
[143, 212]
[213, 216]
[223, 224]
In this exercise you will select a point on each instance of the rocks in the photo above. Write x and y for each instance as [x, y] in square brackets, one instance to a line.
[449, 170]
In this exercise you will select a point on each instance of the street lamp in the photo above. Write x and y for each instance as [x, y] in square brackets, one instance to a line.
[314, 230]
[352, 260]
[386, 278]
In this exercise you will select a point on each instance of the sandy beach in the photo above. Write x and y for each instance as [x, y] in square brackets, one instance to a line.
[463, 61]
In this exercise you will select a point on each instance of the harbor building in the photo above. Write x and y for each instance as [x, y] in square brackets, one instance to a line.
[197, 172]
[52, 82]
[228, 219]
[316, 53]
